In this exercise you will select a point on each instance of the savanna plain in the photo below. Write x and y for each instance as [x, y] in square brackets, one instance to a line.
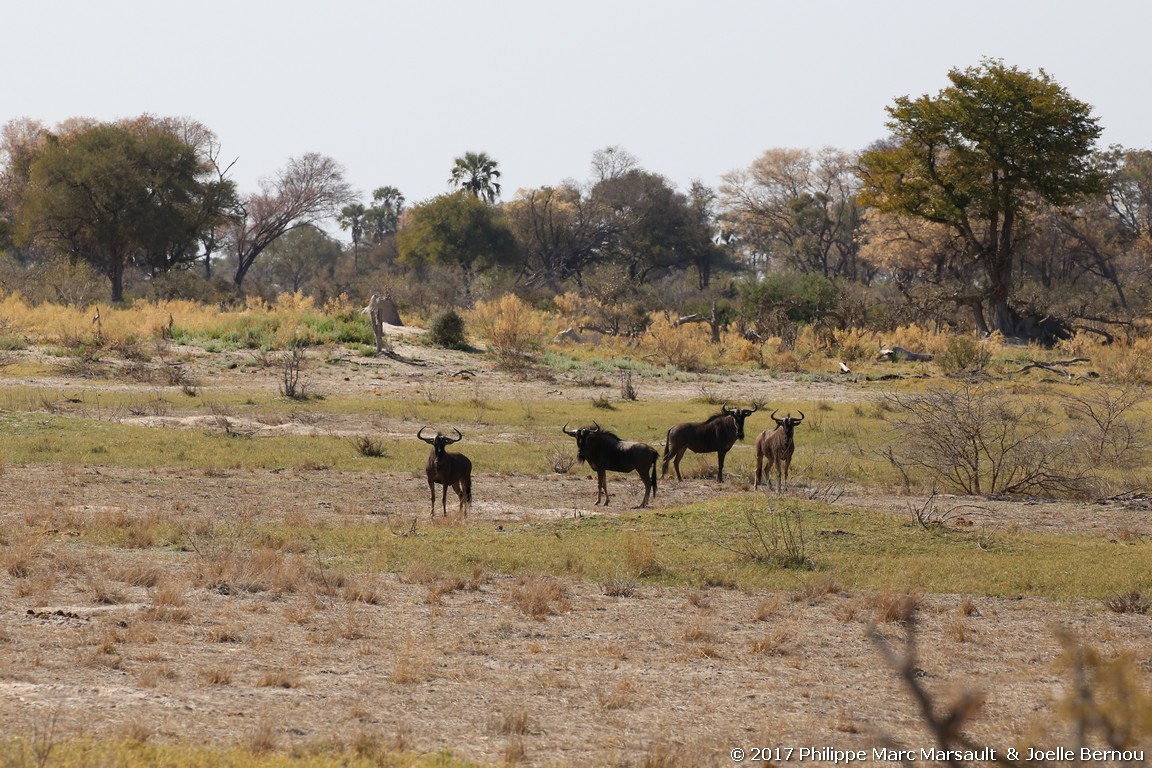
[198, 569]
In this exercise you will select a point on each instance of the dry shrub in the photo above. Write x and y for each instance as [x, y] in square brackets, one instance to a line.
[515, 722]
[767, 607]
[623, 695]
[687, 347]
[815, 591]
[957, 630]
[855, 344]
[619, 586]
[894, 607]
[412, 663]
[540, 596]
[968, 607]
[640, 555]
[217, 676]
[776, 643]
[262, 739]
[700, 631]
[419, 572]
[1129, 602]
[973, 439]
[514, 331]
[280, 678]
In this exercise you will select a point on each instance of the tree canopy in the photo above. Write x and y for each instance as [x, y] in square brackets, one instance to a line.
[116, 194]
[978, 158]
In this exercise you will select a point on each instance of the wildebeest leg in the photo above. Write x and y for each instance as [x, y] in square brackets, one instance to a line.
[720, 472]
[759, 467]
[676, 463]
[432, 489]
[459, 489]
[602, 487]
[647, 487]
[443, 501]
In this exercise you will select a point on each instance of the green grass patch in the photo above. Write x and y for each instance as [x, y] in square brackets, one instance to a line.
[702, 545]
[128, 753]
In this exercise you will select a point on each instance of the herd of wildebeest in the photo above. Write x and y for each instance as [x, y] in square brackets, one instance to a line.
[604, 452]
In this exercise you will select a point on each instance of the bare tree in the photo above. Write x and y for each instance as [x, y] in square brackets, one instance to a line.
[309, 189]
[973, 439]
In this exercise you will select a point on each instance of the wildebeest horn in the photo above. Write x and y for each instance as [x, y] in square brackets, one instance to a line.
[773, 417]
[724, 408]
[595, 424]
[420, 435]
[459, 436]
[754, 409]
[565, 428]
[801, 416]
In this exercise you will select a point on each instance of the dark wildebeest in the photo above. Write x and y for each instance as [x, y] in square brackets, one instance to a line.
[717, 434]
[777, 446]
[605, 452]
[448, 469]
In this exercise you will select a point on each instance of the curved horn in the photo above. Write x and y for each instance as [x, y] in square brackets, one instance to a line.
[595, 424]
[724, 408]
[420, 435]
[773, 417]
[459, 436]
[801, 416]
[754, 408]
[565, 428]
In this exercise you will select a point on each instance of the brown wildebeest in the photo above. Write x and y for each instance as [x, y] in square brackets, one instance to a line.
[777, 446]
[716, 435]
[605, 452]
[448, 469]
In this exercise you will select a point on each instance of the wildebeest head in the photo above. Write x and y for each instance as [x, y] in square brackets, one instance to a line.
[440, 440]
[738, 415]
[584, 438]
[788, 424]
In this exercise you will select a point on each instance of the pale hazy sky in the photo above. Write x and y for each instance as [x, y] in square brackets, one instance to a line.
[396, 90]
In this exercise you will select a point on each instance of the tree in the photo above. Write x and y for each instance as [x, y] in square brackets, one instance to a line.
[647, 225]
[477, 173]
[383, 216]
[302, 255]
[457, 229]
[798, 207]
[115, 195]
[352, 218]
[978, 157]
[557, 233]
[311, 188]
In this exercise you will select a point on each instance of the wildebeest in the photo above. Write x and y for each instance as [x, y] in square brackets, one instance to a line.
[604, 452]
[448, 469]
[717, 434]
[777, 445]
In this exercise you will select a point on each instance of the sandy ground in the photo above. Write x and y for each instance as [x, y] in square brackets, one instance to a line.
[157, 643]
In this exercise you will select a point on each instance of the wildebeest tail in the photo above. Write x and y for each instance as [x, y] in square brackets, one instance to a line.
[654, 478]
[468, 489]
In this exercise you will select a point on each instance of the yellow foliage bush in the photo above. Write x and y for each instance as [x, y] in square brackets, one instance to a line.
[687, 347]
[513, 330]
[855, 344]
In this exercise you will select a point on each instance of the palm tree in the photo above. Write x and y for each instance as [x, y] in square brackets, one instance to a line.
[352, 217]
[384, 215]
[477, 173]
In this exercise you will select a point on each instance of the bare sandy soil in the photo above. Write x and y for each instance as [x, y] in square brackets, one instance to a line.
[149, 643]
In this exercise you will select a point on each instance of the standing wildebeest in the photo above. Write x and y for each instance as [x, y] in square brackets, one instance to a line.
[604, 451]
[448, 469]
[717, 434]
[777, 446]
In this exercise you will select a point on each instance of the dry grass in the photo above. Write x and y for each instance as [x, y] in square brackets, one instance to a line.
[540, 596]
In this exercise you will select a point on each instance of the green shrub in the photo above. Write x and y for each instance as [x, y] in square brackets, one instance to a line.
[447, 330]
[964, 354]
